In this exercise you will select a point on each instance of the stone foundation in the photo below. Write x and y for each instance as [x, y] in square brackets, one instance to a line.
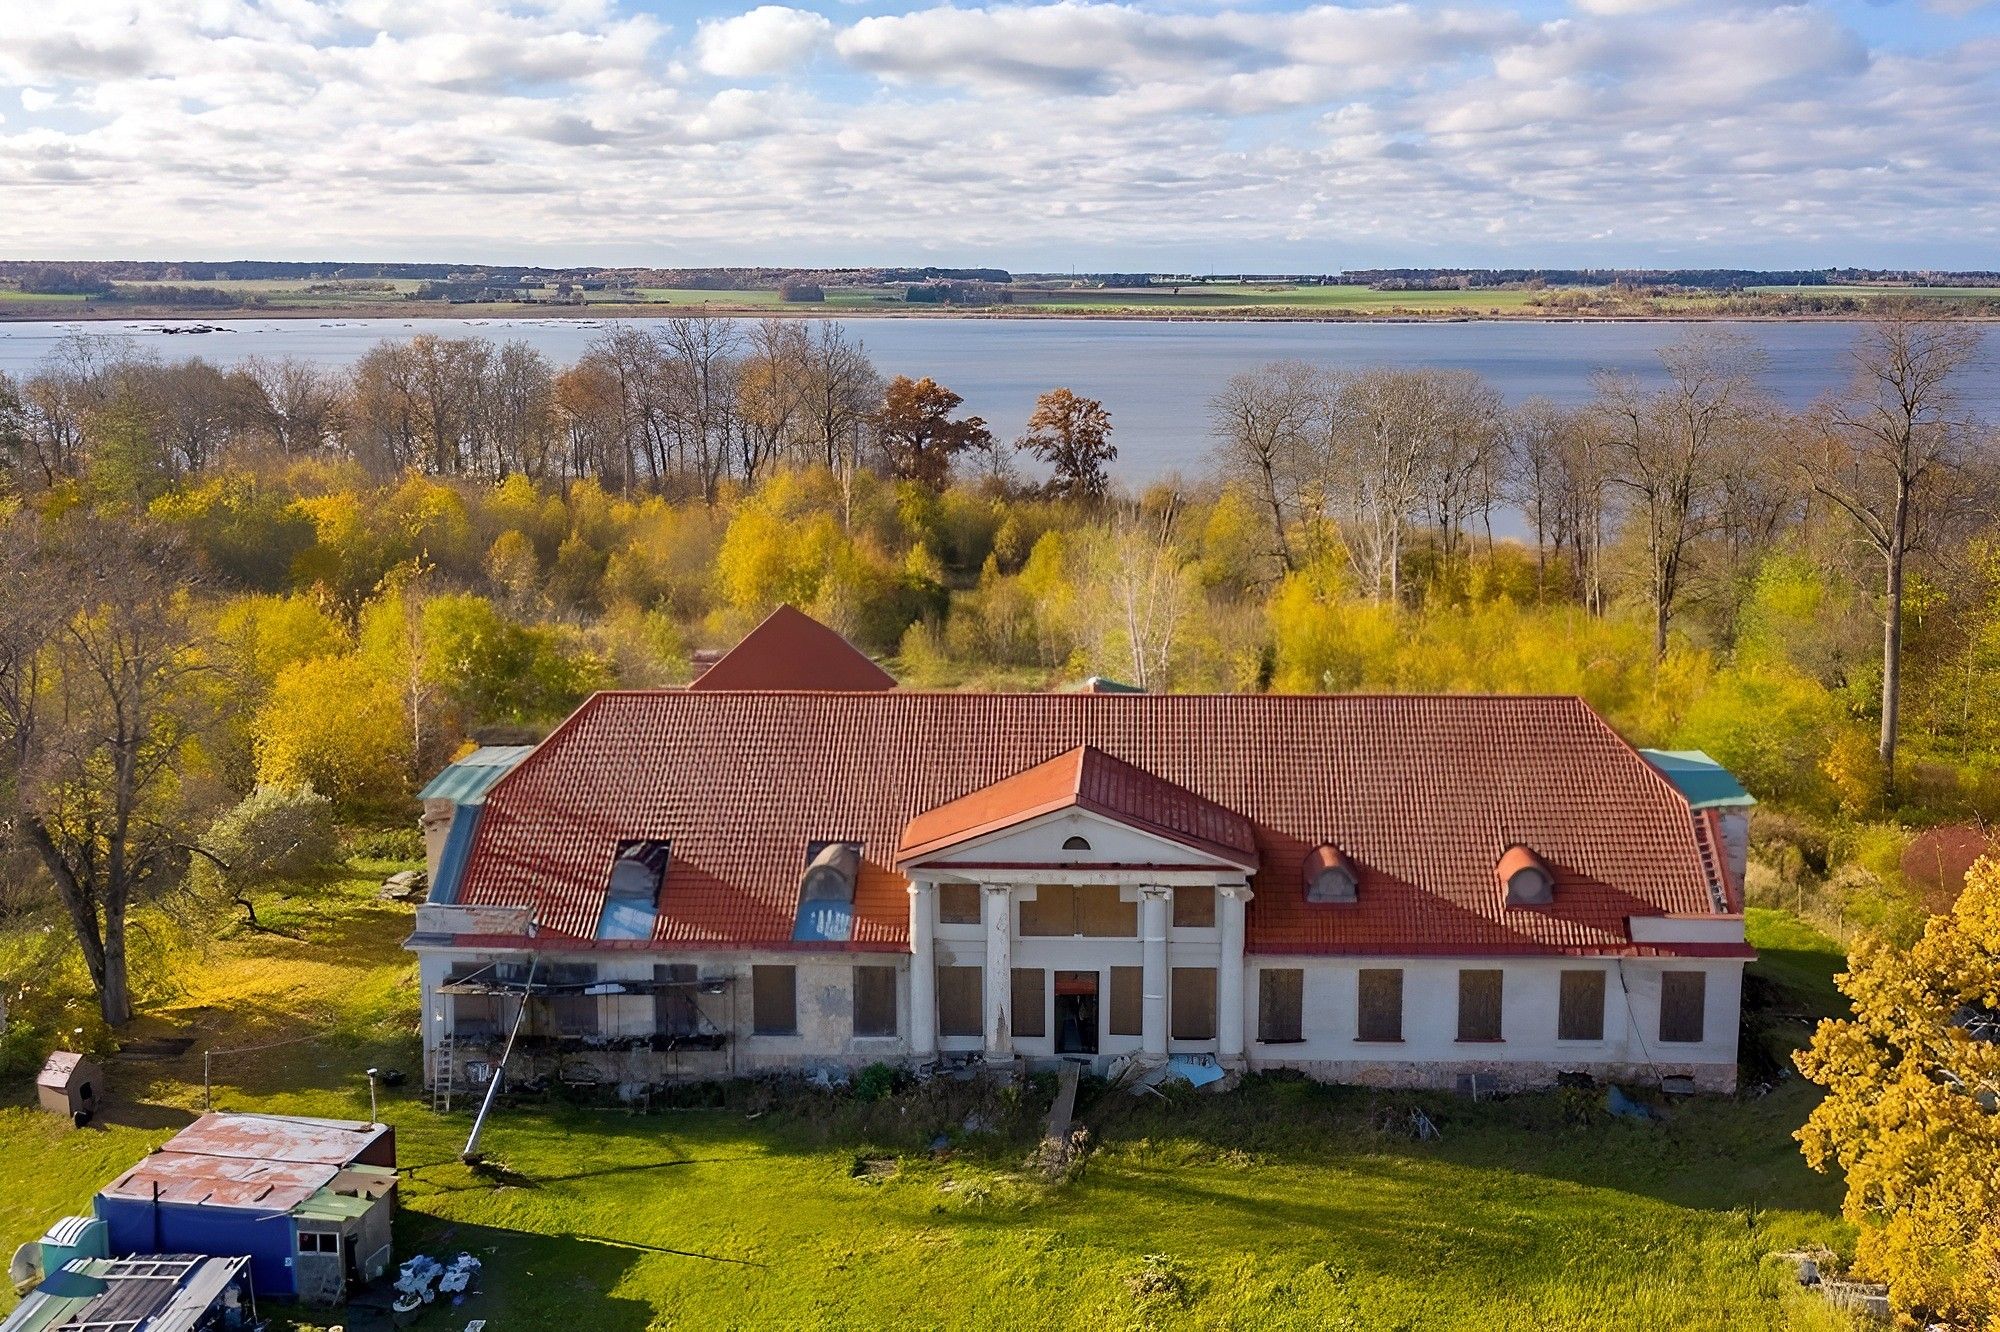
[1499, 1075]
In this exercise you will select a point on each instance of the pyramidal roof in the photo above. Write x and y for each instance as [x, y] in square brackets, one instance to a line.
[792, 651]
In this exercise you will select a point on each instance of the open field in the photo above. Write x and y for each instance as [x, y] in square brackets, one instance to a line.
[1198, 300]
[1282, 1205]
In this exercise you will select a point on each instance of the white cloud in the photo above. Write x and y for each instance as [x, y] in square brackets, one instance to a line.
[549, 129]
[768, 39]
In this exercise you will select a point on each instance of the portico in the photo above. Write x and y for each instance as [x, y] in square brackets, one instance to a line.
[1082, 909]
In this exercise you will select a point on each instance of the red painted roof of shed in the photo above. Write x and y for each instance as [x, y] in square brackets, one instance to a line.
[1084, 778]
[1422, 793]
[791, 650]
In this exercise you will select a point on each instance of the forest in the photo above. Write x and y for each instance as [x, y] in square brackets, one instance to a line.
[241, 602]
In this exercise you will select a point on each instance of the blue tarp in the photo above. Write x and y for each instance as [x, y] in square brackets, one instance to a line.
[457, 850]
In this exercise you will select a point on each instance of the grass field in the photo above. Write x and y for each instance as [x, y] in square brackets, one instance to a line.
[1282, 1205]
[1924, 293]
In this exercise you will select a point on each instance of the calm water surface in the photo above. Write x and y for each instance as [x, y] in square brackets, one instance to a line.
[1155, 377]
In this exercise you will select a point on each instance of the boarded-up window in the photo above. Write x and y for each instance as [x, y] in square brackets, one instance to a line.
[1092, 910]
[1031, 1002]
[1580, 1016]
[1280, 1005]
[675, 1011]
[774, 1000]
[1128, 987]
[874, 1001]
[1479, 1005]
[958, 996]
[573, 1012]
[958, 904]
[1683, 1005]
[1379, 1014]
[1193, 1004]
[1194, 908]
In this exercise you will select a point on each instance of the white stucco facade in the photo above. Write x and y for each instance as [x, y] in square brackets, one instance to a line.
[983, 945]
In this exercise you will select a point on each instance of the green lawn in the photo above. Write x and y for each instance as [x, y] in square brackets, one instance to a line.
[1281, 1205]
[1927, 293]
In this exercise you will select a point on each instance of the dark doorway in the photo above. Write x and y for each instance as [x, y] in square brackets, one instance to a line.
[1076, 1012]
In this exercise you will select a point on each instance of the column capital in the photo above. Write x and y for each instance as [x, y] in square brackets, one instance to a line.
[1239, 891]
[1156, 891]
[997, 887]
[919, 886]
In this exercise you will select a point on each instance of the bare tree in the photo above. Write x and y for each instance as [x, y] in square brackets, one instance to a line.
[1891, 454]
[96, 706]
[1671, 446]
[772, 402]
[293, 403]
[1264, 422]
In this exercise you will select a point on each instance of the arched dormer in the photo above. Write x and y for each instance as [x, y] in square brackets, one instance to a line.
[1329, 875]
[1525, 879]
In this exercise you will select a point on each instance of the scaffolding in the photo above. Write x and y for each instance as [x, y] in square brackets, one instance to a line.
[533, 1031]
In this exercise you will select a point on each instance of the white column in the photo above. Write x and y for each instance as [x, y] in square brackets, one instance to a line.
[923, 970]
[994, 913]
[1153, 916]
[1231, 900]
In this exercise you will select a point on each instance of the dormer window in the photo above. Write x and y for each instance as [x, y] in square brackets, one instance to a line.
[632, 898]
[1329, 875]
[1525, 880]
[1076, 844]
[826, 893]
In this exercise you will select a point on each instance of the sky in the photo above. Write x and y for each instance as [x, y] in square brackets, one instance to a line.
[1158, 135]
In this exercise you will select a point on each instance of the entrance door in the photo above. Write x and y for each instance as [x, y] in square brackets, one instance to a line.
[1076, 1012]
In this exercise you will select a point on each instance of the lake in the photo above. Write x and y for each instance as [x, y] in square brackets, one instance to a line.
[1155, 376]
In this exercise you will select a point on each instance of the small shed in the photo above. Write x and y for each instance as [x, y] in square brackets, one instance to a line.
[69, 1084]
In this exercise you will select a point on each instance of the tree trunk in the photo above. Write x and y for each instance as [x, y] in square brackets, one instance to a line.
[1660, 614]
[1892, 642]
[114, 998]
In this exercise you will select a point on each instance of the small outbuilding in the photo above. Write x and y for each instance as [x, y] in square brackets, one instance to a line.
[69, 1084]
[307, 1201]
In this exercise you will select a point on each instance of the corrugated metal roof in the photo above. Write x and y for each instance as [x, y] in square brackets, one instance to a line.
[466, 781]
[271, 1187]
[277, 1138]
[1422, 794]
[1705, 783]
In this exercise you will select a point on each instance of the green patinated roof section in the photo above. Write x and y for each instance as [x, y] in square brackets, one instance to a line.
[1705, 783]
[467, 781]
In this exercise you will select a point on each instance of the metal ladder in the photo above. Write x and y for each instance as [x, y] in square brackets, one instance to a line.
[444, 1071]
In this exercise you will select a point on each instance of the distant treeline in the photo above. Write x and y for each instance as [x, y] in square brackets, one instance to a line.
[1697, 279]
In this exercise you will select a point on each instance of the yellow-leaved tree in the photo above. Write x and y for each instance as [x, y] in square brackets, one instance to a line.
[1912, 1112]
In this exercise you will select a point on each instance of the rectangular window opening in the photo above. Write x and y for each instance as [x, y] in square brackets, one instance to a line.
[1683, 1005]
[1479, 1004]
[958, 904]
[774, 1000]
[1031, 1003]
[675, 1010]
[1580, 1015]
[1194, 908]
[1379, 1012]
[1281, 1005]
[1090, 911]
[1193, 1004]
[874, 1001]
[958, 999]
[1127, 1001]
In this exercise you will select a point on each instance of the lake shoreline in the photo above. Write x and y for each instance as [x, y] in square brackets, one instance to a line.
[57, 312]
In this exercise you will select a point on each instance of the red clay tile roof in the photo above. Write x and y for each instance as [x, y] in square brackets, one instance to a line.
[1085, 778]
[791, 650]
[1422, 794]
